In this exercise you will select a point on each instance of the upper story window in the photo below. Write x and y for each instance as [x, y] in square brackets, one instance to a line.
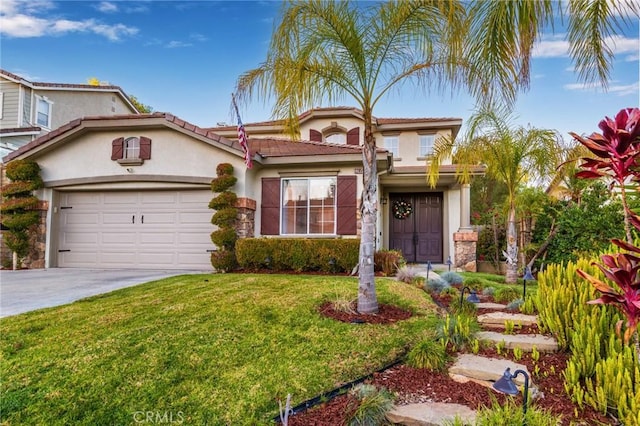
[43, 112]
[391, 144]
[308, 206]
[132, 148]
[427, 143]
[337, 138]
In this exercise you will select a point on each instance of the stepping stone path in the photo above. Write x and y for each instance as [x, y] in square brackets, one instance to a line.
[478, 369]
[490, 305]
[430, 414]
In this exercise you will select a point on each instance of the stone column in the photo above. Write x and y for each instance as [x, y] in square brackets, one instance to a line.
[465, 250]
[465, 208]
[245, 227]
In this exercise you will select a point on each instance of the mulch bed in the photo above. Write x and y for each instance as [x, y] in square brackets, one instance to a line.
[418, 385]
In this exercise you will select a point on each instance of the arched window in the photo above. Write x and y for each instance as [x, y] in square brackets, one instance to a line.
[336, 138]
[132, 148]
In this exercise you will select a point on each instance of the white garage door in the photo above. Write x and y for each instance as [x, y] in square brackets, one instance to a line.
[135, 229]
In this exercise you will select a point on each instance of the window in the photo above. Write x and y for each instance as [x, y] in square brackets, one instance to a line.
[426, 145]
[337, 138]
[43, 112]
[132, 148]
[309, 206]
[391, 145]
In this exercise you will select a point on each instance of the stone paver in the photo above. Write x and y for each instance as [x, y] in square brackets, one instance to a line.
[499, 318]
[489, 305]
[526, 342]
[483, 370]
[430, 414]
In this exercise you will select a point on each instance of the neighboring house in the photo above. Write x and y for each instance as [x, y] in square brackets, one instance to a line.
[30, 109]
[133, 190]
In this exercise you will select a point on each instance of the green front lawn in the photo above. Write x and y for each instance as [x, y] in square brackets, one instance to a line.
[202, 349]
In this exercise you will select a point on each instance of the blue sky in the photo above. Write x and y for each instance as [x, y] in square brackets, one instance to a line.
[184, 57]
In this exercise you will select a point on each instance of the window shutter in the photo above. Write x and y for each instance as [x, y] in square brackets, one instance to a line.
[145, 148]
[353, 136]
[270, 208]
[347, 205]
[315, 136]
[117, 150]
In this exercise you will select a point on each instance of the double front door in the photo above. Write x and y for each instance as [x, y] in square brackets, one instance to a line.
[416, 226]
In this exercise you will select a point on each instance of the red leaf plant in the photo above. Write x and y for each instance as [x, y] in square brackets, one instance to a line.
[618, 157]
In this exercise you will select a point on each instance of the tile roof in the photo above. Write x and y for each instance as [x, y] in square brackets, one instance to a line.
[60, 85]
[273, 147]
[264, 147]
[378, 121]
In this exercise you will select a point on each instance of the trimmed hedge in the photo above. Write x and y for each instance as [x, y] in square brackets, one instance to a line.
[298, 254]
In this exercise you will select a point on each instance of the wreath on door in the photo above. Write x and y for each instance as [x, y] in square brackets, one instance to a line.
[402, 209]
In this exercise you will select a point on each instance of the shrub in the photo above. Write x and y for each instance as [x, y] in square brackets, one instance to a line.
[452, 278]
[488, 291]
[224, 259]
[18, 203]
[435, 285]
[388, 261]
[373, 406]
[515, 305]
[473, 282]
[457, 331]
[300, 254]
[428, 354]
[406, 274]
[506, 294]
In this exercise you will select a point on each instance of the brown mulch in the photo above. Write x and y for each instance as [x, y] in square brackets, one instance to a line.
[386, 314]
[413, 385]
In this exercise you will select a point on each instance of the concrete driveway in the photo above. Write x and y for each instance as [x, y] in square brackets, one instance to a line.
[30, 289]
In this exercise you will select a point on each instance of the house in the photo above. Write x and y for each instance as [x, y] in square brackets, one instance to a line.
[133, 190]
[30, 109]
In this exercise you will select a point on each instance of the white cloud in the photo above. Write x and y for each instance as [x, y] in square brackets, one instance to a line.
[623, 90]
[107, 7]
[198, 37]
[557, 46]
[22, 20]
[617, 89]
[176, 44]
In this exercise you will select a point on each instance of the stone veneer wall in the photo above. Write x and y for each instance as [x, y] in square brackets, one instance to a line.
[37, 242]
[245, 226]
[465, 249]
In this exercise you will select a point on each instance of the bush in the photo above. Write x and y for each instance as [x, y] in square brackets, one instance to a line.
[435, 285]
[488, 291]
[407, 274]
[225, 237]
[506, 295]
[224, 199]
[298, 254]
[388, 261]
[428, 354]
[452, 278]
[373, 406]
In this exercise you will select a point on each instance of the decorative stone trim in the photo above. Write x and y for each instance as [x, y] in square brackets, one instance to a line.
[465, 248]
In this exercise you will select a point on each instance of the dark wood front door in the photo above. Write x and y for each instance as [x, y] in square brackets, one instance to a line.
[419, 234]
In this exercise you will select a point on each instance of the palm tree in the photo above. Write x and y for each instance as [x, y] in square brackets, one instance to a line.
[512, 156]
[324, 51]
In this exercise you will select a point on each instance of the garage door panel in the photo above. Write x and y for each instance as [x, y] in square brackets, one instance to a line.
[120, 198]
[158, 238]
[82, 219]
[151, 219]
[185, 238]
[81, 238]
[119, 238]
[107, 229]
[118, 218]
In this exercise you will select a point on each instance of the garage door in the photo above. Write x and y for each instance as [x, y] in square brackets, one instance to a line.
[135, 229]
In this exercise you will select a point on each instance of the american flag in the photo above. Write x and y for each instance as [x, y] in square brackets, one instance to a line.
[242, 137]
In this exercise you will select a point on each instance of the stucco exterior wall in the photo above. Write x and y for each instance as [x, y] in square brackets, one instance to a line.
[69, 105]
[172, 154]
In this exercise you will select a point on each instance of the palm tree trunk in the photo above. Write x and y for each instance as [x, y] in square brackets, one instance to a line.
[512, 248]
[367, 299]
